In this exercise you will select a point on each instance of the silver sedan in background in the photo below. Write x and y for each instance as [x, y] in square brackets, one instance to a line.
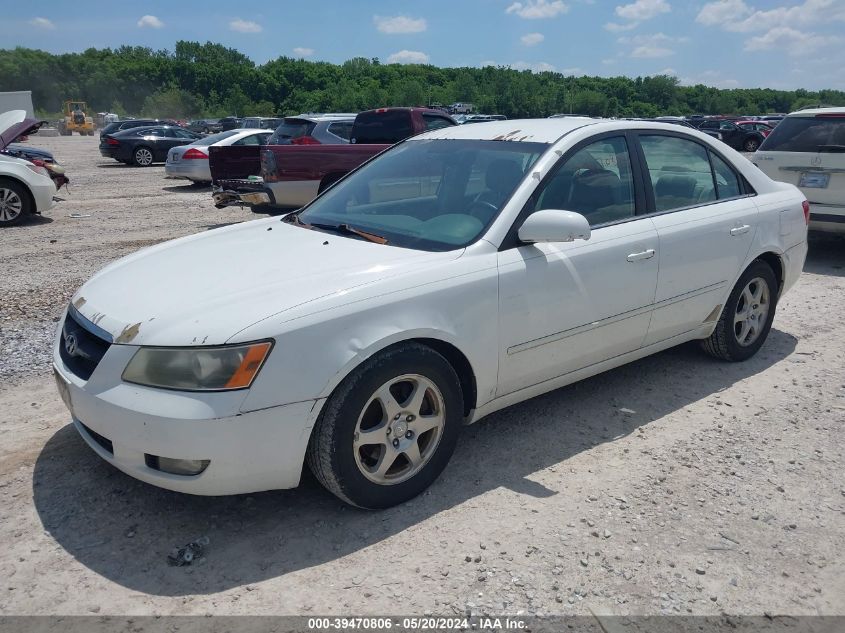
[191, 161]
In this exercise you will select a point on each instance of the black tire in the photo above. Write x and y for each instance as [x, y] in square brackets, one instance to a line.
[139, 156]
[330, 454]
[723, 343]
[751, 144]
[15, 202]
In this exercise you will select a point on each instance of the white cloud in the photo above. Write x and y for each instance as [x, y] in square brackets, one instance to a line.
[408, 57]
[722, 12]
[667, 71]
[642, 10]
[245, 26]
[615, 27]
[538, 9]
[532, 39]
[537, 67]
[577, 70]
[736, 15]
[793, 41]
[300, 51]
[150, 21]
[399, 24]
[43, 23]
[652, 46]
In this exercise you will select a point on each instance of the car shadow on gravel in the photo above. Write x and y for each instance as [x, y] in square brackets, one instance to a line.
[123, 529]
[826, 254]
[191, 187]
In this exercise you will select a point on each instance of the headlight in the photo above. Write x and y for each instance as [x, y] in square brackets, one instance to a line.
[38, 170]
[198, 368]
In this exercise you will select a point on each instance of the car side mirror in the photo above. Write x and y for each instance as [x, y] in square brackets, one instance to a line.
[553, 225]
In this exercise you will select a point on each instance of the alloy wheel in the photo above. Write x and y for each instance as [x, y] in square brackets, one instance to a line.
[752, 310]
[143, 157]
[11, 205]
[399, 429]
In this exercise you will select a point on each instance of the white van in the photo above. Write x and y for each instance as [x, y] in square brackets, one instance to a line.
[807, 149]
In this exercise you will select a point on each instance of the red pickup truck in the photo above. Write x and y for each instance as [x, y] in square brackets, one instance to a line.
[289, 176]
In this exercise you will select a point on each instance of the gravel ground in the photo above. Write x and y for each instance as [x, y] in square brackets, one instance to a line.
[676, 484]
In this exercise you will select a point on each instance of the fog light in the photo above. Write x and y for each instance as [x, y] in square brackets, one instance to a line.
[176, 466]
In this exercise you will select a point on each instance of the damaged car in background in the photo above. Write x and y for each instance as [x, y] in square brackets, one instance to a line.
[309, 154]
[459, 272]
[28, 180]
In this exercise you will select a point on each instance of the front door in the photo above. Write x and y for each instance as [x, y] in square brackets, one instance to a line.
[565, 306]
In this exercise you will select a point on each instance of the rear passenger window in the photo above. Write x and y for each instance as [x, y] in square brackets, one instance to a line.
[727, 182]
[596, 182]
[343, 129]
[679, 171]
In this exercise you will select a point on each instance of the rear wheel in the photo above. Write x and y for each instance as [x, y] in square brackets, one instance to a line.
[389, 429]
[14, 202]
[751, 144]
[747, 317]
[143, 157]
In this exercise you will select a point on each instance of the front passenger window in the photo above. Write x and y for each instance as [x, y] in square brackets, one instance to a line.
[596, 182]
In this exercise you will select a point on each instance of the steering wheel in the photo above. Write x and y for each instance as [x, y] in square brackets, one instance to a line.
[482, 206]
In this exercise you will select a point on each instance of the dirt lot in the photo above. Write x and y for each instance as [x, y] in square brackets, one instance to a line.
[677, 484]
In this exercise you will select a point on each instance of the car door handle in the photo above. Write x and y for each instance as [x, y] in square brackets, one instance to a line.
[635, 257]
[739, 230]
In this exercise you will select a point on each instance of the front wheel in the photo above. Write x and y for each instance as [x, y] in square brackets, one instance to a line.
[389, 428]
[747, 317]
[15, 204]
[143, 157]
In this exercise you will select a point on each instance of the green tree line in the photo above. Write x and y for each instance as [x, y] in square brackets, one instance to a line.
[209, 80]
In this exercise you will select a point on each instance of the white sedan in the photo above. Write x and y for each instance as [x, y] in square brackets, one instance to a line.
[191, 161]
[461, 271]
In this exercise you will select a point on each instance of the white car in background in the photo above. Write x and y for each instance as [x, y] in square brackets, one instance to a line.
[191, 161]
[807, 149]
[25, 188]
[461, 271]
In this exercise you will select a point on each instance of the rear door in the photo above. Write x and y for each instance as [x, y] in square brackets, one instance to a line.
[705, 219]
[809, 152]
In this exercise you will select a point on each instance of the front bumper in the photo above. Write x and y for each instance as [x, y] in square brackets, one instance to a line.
[247, 451]
[43, 193]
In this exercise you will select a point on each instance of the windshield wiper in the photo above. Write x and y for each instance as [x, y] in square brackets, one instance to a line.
[343, 229]
[832, 148]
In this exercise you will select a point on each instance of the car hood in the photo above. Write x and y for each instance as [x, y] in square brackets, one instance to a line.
[14, 124]
[205, 288]
[16, 149]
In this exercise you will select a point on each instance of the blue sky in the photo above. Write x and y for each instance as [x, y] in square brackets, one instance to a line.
[725, 43]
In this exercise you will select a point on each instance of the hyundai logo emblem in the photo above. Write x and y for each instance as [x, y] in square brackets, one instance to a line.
[71, 344]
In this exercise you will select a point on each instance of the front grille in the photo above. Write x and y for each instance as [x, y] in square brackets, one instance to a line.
[99, 439]
[81, 350]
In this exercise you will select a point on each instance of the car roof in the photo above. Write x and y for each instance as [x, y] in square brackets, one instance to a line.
[815, 111]
[317, 118]
[535, 130]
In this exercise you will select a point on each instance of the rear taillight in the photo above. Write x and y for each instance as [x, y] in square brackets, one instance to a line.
[806, 206]
[112, 141]
[304, 140]
[193, 154]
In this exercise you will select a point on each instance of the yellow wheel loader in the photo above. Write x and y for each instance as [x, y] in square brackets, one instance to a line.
[76, 119]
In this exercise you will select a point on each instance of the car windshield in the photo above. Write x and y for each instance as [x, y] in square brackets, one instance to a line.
[213, 138]
[806, 134]
[433, 194]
